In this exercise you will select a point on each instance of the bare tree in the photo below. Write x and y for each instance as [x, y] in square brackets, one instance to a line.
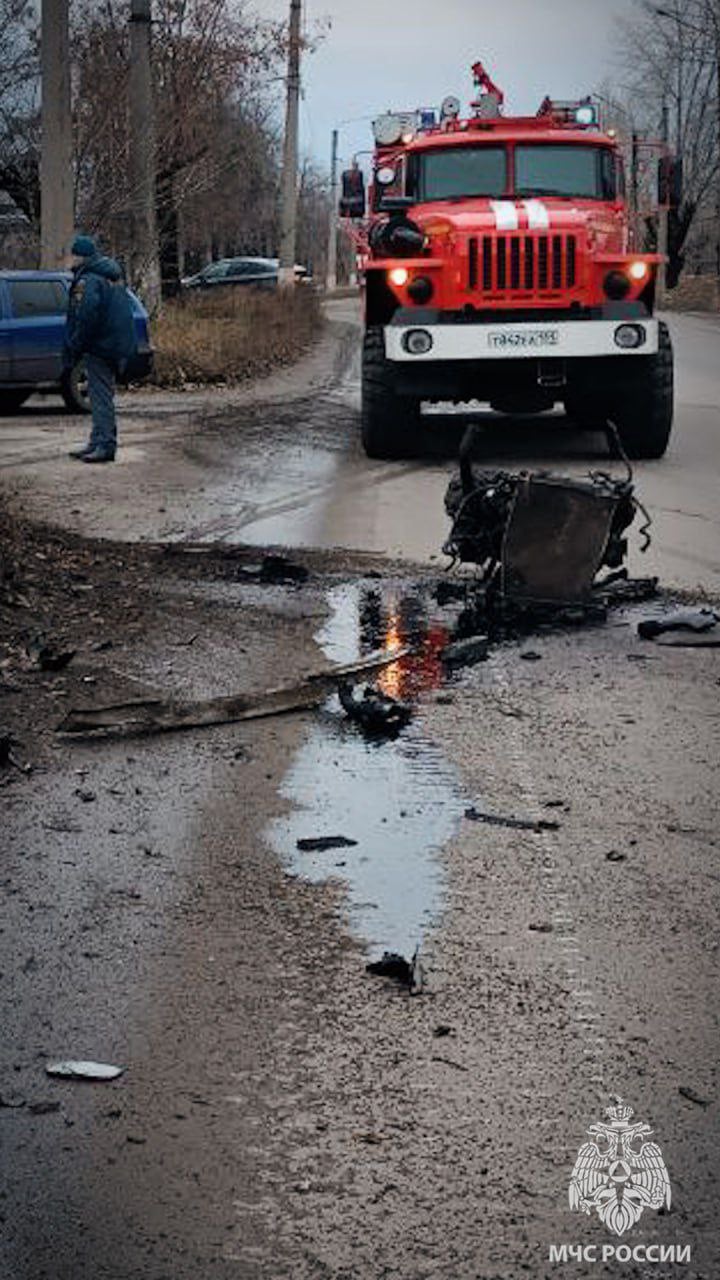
[19, 114]
[209, 61]
[669, 70]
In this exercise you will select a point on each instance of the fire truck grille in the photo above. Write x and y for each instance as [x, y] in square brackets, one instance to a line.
[522, 263]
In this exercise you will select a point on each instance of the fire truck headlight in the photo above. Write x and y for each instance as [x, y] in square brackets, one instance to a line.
[638, 270]
[616, 285]
[417, 342]
[398, 276]
[420, 289]
[628, 336]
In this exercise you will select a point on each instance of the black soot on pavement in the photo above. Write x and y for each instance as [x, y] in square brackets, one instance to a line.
[397, 798]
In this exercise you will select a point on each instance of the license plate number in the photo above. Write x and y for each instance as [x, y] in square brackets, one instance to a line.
[523, 338]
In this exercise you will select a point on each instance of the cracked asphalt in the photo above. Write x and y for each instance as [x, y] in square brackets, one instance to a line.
[284, 1114]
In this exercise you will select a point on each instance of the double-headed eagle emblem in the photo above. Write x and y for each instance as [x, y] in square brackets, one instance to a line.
[618, 1174]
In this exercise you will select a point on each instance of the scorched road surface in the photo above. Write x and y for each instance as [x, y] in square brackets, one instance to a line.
[284, 1114]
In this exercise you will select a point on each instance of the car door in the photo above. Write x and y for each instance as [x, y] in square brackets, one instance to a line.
[5, 336]
[38, 309]
[262, 275]
[215, 273]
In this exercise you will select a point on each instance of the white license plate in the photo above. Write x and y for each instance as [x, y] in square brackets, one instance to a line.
[523, 339]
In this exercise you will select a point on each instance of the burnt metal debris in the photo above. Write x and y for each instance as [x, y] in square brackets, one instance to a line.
[691, 628]
[518, 824]
[321, 844]
[540, 539]
[409, 973]
[377, 714]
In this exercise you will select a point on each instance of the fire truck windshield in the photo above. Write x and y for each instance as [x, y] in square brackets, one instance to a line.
[569, 170]
[454, 172]
[462, 172]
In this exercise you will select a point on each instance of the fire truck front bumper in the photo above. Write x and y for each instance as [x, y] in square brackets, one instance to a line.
[408, 344]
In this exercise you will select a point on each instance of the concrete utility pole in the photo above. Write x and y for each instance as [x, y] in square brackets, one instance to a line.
[56, 153]
[663, 212]
[288, 187]
[331, 281]
[144, 256]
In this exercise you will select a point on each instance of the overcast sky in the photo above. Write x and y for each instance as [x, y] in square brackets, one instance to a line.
[408, 53]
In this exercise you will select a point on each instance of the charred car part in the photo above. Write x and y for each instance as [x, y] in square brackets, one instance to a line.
[539, 538]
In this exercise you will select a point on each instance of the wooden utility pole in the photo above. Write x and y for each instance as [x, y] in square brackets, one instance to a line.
[56, 153]
[288, 185]
[144, 255]
[331, 281]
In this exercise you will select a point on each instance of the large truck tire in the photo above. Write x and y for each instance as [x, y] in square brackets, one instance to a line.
[390, 423]
[643, 411]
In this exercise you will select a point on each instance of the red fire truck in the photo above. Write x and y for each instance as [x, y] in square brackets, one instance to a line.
[498, 265]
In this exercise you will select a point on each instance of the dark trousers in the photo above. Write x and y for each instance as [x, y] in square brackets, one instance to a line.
[101, 389]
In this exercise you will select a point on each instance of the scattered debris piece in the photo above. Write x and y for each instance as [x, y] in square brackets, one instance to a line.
[136, 1138]
[46, 657]
[519, 824]
[686, 1092]
[86, 796]
[81, 1070]
[442, 1030]
[276, 569]
[375, 712]
[43, 1108]
[185, 644]
[448, 590]
[529, 655]
[449, 1062]
[155, 715]
[544, 926]
[372, 1139]
[614, 855]
[393, 965]
[318, 844]
[695, 621]
[464, 653]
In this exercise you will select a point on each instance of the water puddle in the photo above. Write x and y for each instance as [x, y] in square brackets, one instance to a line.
[400, 800]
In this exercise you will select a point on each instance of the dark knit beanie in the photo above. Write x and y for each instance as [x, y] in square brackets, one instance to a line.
[84, 247]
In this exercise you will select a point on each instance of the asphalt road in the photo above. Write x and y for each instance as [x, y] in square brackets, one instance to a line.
[300, 478]
[284, 1114]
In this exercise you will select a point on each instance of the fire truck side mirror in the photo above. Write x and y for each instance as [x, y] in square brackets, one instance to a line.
[670, 181]
[352, 201]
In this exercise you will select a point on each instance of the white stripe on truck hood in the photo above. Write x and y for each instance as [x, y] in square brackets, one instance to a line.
[506, 215]
[538, 215]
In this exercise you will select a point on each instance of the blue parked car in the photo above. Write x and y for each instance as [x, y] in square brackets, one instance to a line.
[33, 305]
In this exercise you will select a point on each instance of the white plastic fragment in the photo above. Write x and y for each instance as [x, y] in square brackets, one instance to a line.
[84, 1070]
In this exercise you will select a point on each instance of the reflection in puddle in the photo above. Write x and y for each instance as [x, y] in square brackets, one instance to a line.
[399, 800]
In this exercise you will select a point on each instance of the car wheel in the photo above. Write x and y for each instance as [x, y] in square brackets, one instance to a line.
[74, 389]
[10, 401]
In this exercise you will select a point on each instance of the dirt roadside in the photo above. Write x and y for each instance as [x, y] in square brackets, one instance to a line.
[283, 1114]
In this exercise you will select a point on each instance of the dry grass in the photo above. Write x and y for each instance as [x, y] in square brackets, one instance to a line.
[232, 335]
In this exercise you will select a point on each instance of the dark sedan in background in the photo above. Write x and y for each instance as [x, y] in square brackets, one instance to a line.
[258, 273]
[33, 307]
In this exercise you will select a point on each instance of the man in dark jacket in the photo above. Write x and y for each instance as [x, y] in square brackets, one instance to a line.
[100, 329]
